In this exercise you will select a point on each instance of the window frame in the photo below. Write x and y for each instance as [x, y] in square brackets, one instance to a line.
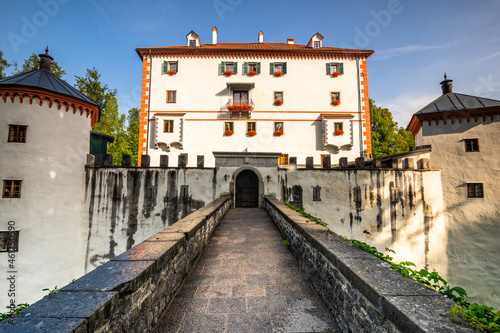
[474, 147]
[229, 66]
[475, 190]
[192, 43]
[4, 241]
[317, 44]
[251, 126]
[276, 126]
[168, 128]
[338, 127]
[284, 159]
[278, 95]
[173, 94]
[323, 156]
[230, 127]
[15, 133]
[11, 188]
[332, 95]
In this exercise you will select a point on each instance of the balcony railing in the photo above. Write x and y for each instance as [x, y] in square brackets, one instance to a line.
[240, 106]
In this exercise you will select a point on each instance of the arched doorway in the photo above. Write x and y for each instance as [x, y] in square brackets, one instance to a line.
[247, 189]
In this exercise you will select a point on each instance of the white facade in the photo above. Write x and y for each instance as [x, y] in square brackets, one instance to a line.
[203, 93]
[51, 167]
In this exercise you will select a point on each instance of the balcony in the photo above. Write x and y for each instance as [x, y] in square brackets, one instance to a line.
[240, 107]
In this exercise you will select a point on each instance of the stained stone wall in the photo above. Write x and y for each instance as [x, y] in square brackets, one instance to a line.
[129, 292]
[362, 292]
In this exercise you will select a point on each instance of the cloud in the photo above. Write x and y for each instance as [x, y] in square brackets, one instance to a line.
[403, 50]
[486, 58]
[404, 106]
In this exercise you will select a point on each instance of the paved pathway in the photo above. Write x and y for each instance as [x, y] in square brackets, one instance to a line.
[246, 281]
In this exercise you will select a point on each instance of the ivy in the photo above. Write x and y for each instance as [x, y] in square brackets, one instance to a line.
[309, 216]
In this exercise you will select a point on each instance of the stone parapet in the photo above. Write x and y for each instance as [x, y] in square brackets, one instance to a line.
[362, 292]
[131, 291]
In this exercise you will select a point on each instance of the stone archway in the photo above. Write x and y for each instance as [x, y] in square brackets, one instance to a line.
[247, 188]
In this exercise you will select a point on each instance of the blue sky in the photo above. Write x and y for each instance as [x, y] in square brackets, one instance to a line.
[414, 41]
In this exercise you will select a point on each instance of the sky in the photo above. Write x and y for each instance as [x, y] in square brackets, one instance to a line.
[415, 41]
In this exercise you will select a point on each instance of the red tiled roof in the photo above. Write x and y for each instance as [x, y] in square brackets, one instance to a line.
[283, 47]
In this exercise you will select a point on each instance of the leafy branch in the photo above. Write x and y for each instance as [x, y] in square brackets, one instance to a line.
[309, 216]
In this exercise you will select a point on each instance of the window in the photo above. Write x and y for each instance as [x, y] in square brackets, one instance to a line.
[171, 96]
[251, 68]
[228, 67]
[471, 145]
[475, 190]
[278, 126]
[170, 67]
[17, 133]
[283, 159]
[183, 160]
[229, 126]
[9, 241]
[335, 67]
[335, 98]
[168, 126]
[240, 97]
[251, 126]
[317, 193]
[277, 67]
[192, 43]
[278, 96]
[11, 189]
[323, 157]
[317, 44]
[339, 127]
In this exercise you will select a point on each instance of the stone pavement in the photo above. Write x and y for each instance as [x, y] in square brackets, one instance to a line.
[246, 281]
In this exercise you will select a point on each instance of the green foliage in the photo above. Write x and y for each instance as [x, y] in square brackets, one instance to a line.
[55, 290]
[387, 138]
[33, 62]
[17, 309]
[482, 317]
[309, 216]
[3, 65]
[286, 243]
[133, 119]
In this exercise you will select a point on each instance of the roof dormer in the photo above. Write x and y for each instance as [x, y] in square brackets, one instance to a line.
[193, 39]
[316, 41]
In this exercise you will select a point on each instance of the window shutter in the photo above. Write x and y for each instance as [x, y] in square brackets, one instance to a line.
[328, 69]
[165, 66]
[284, 68]
[245, 68]
[177, 63]
[258, 67]
[235, 65]
[271, 68]
[341, 68]
[222, 67]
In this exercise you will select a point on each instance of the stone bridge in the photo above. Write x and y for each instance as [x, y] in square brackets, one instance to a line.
[227, 270]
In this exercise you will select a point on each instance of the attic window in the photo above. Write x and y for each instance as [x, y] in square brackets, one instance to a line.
[192, 43]
[317, 44]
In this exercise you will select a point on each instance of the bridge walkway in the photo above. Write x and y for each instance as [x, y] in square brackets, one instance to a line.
[246, 281]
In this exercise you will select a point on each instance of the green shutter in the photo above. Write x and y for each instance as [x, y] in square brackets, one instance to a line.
[328, 69]
[222, 67]
[258, 67]
[177, 63]
[235, 65]
[341, 68]
[284, 68]
[165, 66]
[271, 68]
[245, 68]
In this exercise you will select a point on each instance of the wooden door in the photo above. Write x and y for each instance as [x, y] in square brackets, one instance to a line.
[247, 189]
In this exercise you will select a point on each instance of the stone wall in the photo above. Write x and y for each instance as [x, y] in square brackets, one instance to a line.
[128, 293]
[362, 292]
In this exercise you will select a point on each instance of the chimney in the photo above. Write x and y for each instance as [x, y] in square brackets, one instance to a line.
[446, 85]
[290, 41]
[261, 37]
[214, 35]
[46, 60]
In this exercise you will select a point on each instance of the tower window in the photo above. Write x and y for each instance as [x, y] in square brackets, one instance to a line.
[475, 190]
[471, 145]
[17, 133]
[11, 189]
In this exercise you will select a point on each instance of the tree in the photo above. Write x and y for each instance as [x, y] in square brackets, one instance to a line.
[133, 134]
[387, 137]
[33, 63]
[111, 122]
[3, 65]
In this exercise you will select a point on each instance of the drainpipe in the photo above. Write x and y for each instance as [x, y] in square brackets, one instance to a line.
[149, 100]
[361, 144]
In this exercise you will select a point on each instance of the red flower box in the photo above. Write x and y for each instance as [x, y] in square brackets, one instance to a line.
[228, 132]
[171, 72]
[252, 133]
[335, 74]
[252, 73]
[278, 102]
[339, 132]
[278, 73]
[228, 73]
[244, 107]
[278, 133]
[335, 103]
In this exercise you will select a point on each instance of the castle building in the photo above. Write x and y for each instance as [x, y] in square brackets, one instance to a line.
[297, 100]
[463, 132]
[45, 128]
